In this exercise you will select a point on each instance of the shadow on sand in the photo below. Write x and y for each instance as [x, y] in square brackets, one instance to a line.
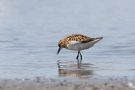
[74, 69]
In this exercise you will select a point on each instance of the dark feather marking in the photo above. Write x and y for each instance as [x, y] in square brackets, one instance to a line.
[79, 37]
[86, 41]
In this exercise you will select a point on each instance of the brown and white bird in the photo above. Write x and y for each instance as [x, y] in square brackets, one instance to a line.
[77, 42]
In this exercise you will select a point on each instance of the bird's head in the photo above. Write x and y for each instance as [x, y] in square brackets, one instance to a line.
[61, 44]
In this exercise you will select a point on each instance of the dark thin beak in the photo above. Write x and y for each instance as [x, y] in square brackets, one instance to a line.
[58, 50]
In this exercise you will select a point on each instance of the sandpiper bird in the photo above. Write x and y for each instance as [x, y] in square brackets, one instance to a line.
[77, 42]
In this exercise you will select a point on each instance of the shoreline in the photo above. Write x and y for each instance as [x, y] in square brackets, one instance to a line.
[39, 83]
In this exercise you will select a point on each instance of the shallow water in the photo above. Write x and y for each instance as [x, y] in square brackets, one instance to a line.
[30, 30]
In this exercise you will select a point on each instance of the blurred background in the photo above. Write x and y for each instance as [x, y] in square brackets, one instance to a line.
[30, 30]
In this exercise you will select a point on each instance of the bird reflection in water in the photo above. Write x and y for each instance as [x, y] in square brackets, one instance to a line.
[73, 69]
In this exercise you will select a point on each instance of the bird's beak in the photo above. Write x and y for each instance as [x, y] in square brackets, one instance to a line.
[59, 50]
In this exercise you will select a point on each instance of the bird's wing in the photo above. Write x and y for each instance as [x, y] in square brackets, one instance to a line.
[87, 40]
[79, 37]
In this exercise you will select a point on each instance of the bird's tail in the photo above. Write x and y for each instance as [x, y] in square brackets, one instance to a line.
[99, 38]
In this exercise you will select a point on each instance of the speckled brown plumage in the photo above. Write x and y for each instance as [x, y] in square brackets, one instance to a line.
[74, 37]
[78, 37]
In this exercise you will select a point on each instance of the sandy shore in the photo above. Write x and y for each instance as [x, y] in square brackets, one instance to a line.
[68, 84]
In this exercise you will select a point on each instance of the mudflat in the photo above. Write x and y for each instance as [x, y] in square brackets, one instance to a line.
[68, 84]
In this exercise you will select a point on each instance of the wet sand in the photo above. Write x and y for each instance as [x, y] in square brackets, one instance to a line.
[68, 84]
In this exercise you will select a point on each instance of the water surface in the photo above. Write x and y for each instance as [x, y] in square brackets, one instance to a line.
[30, 30]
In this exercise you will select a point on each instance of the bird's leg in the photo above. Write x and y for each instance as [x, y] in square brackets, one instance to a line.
[77, 56]
[80, 57]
